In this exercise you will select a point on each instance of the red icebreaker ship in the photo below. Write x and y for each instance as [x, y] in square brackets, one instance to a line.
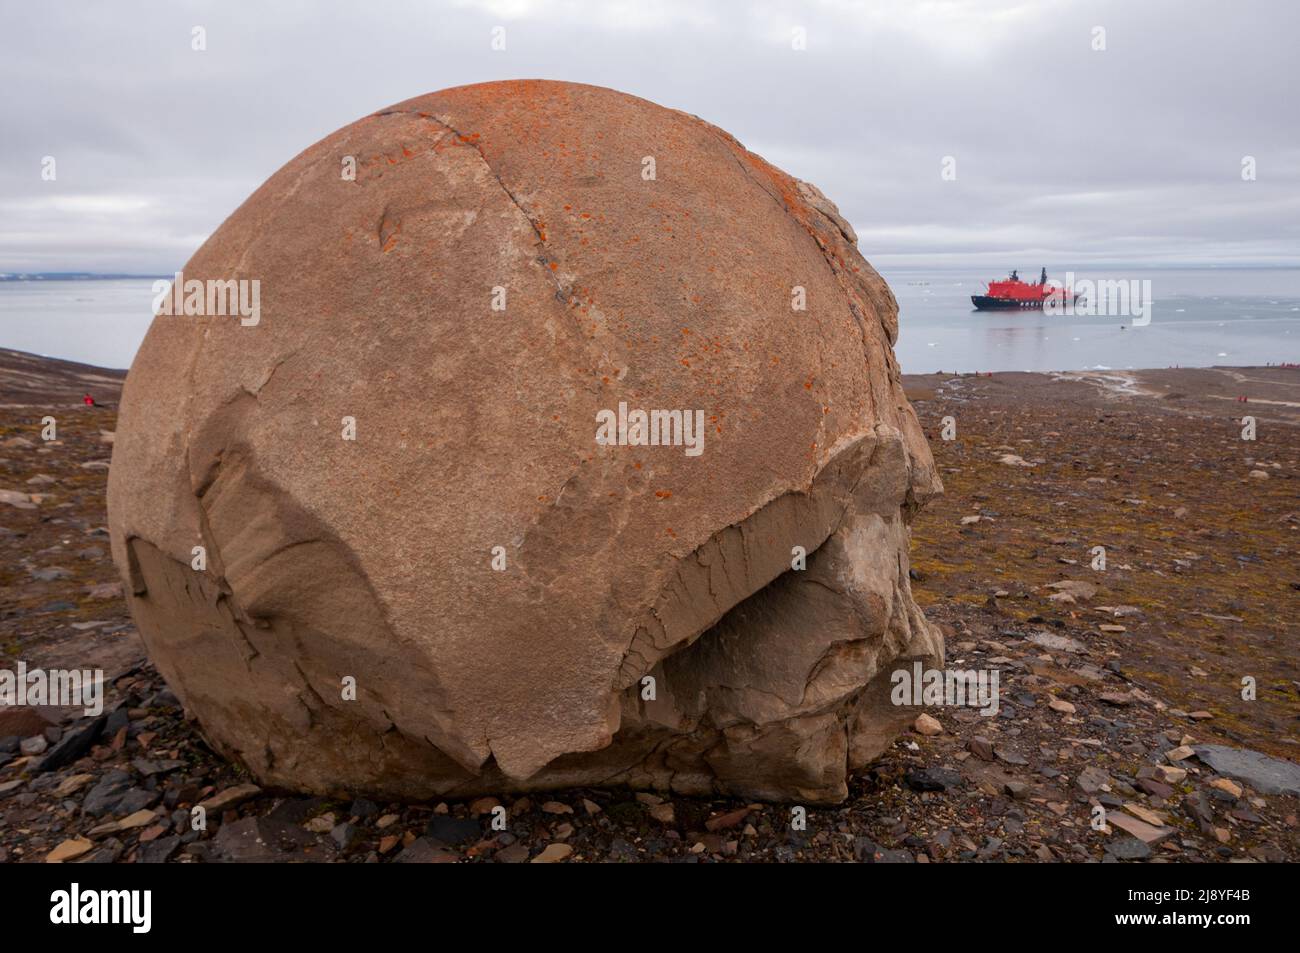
[1014, 293]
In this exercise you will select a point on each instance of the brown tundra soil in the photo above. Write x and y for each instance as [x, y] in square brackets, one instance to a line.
[1119, 687]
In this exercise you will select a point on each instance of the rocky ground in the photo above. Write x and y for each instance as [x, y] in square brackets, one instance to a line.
[1120, 688]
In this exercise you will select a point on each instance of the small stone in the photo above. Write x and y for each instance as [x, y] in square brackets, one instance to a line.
[663, 813]
[107, 793]
[322, 824]
[388, 820]
[483, 805]
[72, 784]
[1007, 756]
[1061, 705]
[1091, 780]
[726, 821]
[1057, 643]
[1013, 460]
[556, 807]
[553, 854]
[50, 574]
[933, 779]
[1181, 753]
[150, 768]
[231, 797]
[138, 819]
[1155, 788]
[1075, 587]
[590, 806]
[425, 850]
[346, 836]
[104, 830]
[34, 745]
[1171, 775]
[159, 851]
[1145, 814]
[16, 499]
[981, 748]
[105, 590]
[1147, 833]
[927, 725]
[68, 850]
[1224, 784]
[1128, 848]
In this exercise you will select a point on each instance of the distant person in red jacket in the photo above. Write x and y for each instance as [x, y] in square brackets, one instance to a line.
[89, 401]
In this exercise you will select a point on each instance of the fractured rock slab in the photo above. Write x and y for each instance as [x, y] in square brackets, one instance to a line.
[1265, 774]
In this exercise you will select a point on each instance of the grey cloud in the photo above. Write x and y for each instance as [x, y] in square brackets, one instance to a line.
[1132, 154]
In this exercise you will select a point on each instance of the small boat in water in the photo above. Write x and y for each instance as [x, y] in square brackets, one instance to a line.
[1014, 293]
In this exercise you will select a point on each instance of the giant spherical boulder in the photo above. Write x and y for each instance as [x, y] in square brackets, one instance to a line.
[503, 476]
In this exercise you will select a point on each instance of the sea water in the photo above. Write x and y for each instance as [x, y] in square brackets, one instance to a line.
[1199, 318]
[94, 322]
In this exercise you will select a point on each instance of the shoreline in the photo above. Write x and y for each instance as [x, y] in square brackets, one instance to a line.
[21, 370]
[1265, 392]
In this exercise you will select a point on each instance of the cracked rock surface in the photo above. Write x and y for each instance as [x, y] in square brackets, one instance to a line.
[330, 559]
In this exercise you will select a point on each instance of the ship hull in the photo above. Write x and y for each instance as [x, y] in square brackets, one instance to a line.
[990, 303]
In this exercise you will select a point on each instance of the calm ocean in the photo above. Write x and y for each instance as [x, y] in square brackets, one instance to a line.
[1199, 317]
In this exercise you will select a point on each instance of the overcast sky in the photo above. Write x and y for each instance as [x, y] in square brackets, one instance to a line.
[1064, 154]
